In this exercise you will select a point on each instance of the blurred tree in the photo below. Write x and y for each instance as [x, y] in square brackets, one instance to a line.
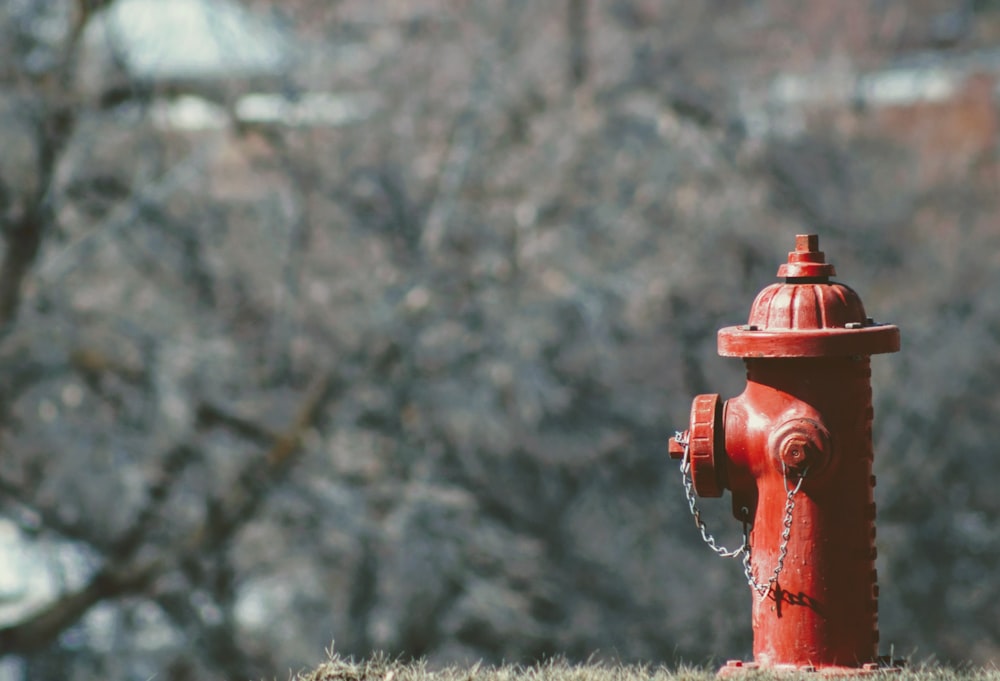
[387, 354]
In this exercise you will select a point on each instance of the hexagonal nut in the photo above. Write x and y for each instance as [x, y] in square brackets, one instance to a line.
[799, 446]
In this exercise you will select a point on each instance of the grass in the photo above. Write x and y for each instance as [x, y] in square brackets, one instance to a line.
[381, 668]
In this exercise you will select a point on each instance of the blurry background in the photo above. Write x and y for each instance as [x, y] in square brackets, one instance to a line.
[367, 322]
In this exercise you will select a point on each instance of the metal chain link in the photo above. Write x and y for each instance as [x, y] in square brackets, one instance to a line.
[761, 589]
[693, 506]
[764, 589]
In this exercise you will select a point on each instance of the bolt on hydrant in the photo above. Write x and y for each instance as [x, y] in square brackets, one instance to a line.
[795, 451]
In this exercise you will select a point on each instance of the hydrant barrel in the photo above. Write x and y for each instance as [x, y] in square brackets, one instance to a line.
[795, 451]
[823, 609]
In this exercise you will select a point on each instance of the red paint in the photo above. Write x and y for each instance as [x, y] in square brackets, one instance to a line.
[806, 408]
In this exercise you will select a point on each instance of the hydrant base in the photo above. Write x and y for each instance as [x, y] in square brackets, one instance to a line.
[736, 668]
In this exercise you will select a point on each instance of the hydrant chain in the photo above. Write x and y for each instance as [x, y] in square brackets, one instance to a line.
[693, 507]
[764, 589]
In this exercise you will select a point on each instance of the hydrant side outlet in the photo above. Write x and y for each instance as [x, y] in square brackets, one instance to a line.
[795, 449]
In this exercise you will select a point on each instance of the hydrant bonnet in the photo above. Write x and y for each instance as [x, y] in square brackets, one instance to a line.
[807, 315]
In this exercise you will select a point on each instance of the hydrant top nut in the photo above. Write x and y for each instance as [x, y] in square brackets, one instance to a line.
[806, 261]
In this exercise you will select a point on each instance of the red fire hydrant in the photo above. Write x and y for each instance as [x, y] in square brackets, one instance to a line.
[795, 451]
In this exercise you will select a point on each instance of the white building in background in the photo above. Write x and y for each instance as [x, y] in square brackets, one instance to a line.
[203, 51]
[781, 107]
[169, 41]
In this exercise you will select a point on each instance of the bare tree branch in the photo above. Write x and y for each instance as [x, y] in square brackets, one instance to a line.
[42, 628]
[246, 497]
[123, 575]
[579, 51]
[55, 119]
[24, 238]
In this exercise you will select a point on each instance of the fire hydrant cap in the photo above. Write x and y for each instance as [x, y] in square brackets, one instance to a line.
[806, 260]
[807, 315]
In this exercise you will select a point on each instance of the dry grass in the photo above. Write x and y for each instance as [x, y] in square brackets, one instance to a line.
[382, 668]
